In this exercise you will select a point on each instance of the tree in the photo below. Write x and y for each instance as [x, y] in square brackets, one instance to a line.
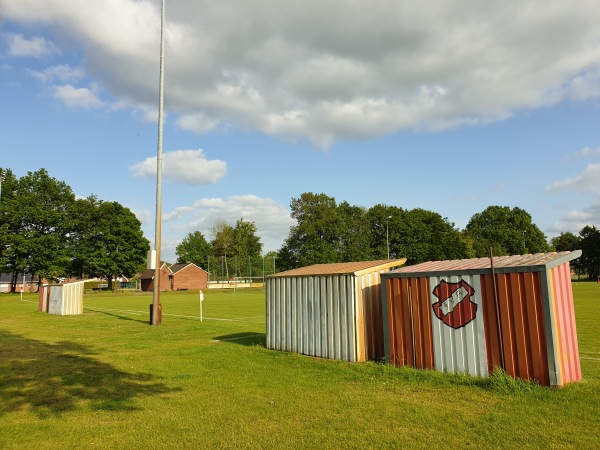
[315, 237]
[222, 242]
[193, 249]
[354, 238]
[566, 242]
[41, 225]
[590, 251]
[245, 241]
[107, 240]
[508, 231]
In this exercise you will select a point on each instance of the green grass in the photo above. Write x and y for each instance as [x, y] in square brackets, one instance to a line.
[107, 379]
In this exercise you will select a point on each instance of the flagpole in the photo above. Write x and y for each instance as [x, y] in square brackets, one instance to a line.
[156, 313]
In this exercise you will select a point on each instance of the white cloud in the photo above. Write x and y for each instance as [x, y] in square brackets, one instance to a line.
[575, 220]
[333, 70]
[272, 219]
[77, 98]
[184, 166]
[34, 47]
[587, 181]
[585, 152]
[61, 73]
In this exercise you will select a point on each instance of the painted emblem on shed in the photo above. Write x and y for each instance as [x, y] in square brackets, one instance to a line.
[455, 307]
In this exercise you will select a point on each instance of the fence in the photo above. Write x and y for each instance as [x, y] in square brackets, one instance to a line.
[252, 269]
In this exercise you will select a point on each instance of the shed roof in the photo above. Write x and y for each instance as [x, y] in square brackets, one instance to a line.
[502, 264]
[356, 268]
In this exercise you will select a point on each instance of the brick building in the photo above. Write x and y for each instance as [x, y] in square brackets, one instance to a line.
[177, 277]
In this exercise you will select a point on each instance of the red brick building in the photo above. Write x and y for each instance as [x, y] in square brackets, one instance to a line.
[188, 277]
[147, 279]
[177, 277]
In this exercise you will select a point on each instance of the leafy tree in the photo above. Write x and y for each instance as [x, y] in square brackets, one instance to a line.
[508, 231]
[40, 228]
[315, 238]
[566, 242]
[590, 251]
[107, 240]
[354, 237]
[384, 222]
[245, 241]
[194, 249]
[223, 240]
[12, 259]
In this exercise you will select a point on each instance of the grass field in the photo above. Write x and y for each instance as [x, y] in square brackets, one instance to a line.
[107, 379]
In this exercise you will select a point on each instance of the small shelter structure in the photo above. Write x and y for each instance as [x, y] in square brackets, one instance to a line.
[473, 315]
[62, 299]
[328, 310]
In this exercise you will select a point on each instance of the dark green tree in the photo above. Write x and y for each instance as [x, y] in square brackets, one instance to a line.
[106, 240]
[194, 249]
[222, 242]
[590, 251]
[354, 237]
[508, 231]
[245, 241]
[315, 238]
[566, 242]
[41, 226]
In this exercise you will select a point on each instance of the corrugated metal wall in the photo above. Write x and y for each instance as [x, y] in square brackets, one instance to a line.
[521, 334]
[527, 326]
[66, 299]
[568, 367]
[313, 315]
[329, 316]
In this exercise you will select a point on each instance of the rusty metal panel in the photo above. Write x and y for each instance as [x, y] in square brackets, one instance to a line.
[523, 321]
[408, 329]
[515, 327]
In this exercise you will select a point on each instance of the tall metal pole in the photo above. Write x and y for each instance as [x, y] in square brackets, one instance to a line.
[156, 316]
[387, 235]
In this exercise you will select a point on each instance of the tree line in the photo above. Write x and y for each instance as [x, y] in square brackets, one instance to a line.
[329, 232]
[46, 231]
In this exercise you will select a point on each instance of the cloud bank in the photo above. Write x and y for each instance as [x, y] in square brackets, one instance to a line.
[327, 71]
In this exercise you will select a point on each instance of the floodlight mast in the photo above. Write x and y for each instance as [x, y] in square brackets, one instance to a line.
[156, 315]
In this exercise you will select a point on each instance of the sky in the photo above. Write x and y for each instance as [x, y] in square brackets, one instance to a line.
[450, 106]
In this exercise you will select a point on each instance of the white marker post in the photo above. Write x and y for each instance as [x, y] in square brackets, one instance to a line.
[201, 300]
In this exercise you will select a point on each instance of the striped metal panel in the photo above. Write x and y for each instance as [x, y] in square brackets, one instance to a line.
[564, 330]
[313, 315]
[407, 326]
[66, 299]
[517, 341]
[336, 316]
[528, 324]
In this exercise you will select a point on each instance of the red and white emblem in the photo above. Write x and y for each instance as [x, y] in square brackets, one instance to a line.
[455, 307]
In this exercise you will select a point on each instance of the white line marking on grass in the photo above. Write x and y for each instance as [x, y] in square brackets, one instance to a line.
[587, 357]
[140, 313]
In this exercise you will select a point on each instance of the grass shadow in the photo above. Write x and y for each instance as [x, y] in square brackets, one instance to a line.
[55, 378]
[118, 316]
[247, 339]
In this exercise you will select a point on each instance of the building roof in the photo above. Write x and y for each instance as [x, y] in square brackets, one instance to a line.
[177, 267]
[502, 264]
[356, 268]
[29, 278]
[148, 274]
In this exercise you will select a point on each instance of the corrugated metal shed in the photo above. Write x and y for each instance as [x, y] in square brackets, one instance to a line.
[458, 316]
[328, 310]
[62, 299]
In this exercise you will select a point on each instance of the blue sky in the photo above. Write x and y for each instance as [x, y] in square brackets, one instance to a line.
[412, 104]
